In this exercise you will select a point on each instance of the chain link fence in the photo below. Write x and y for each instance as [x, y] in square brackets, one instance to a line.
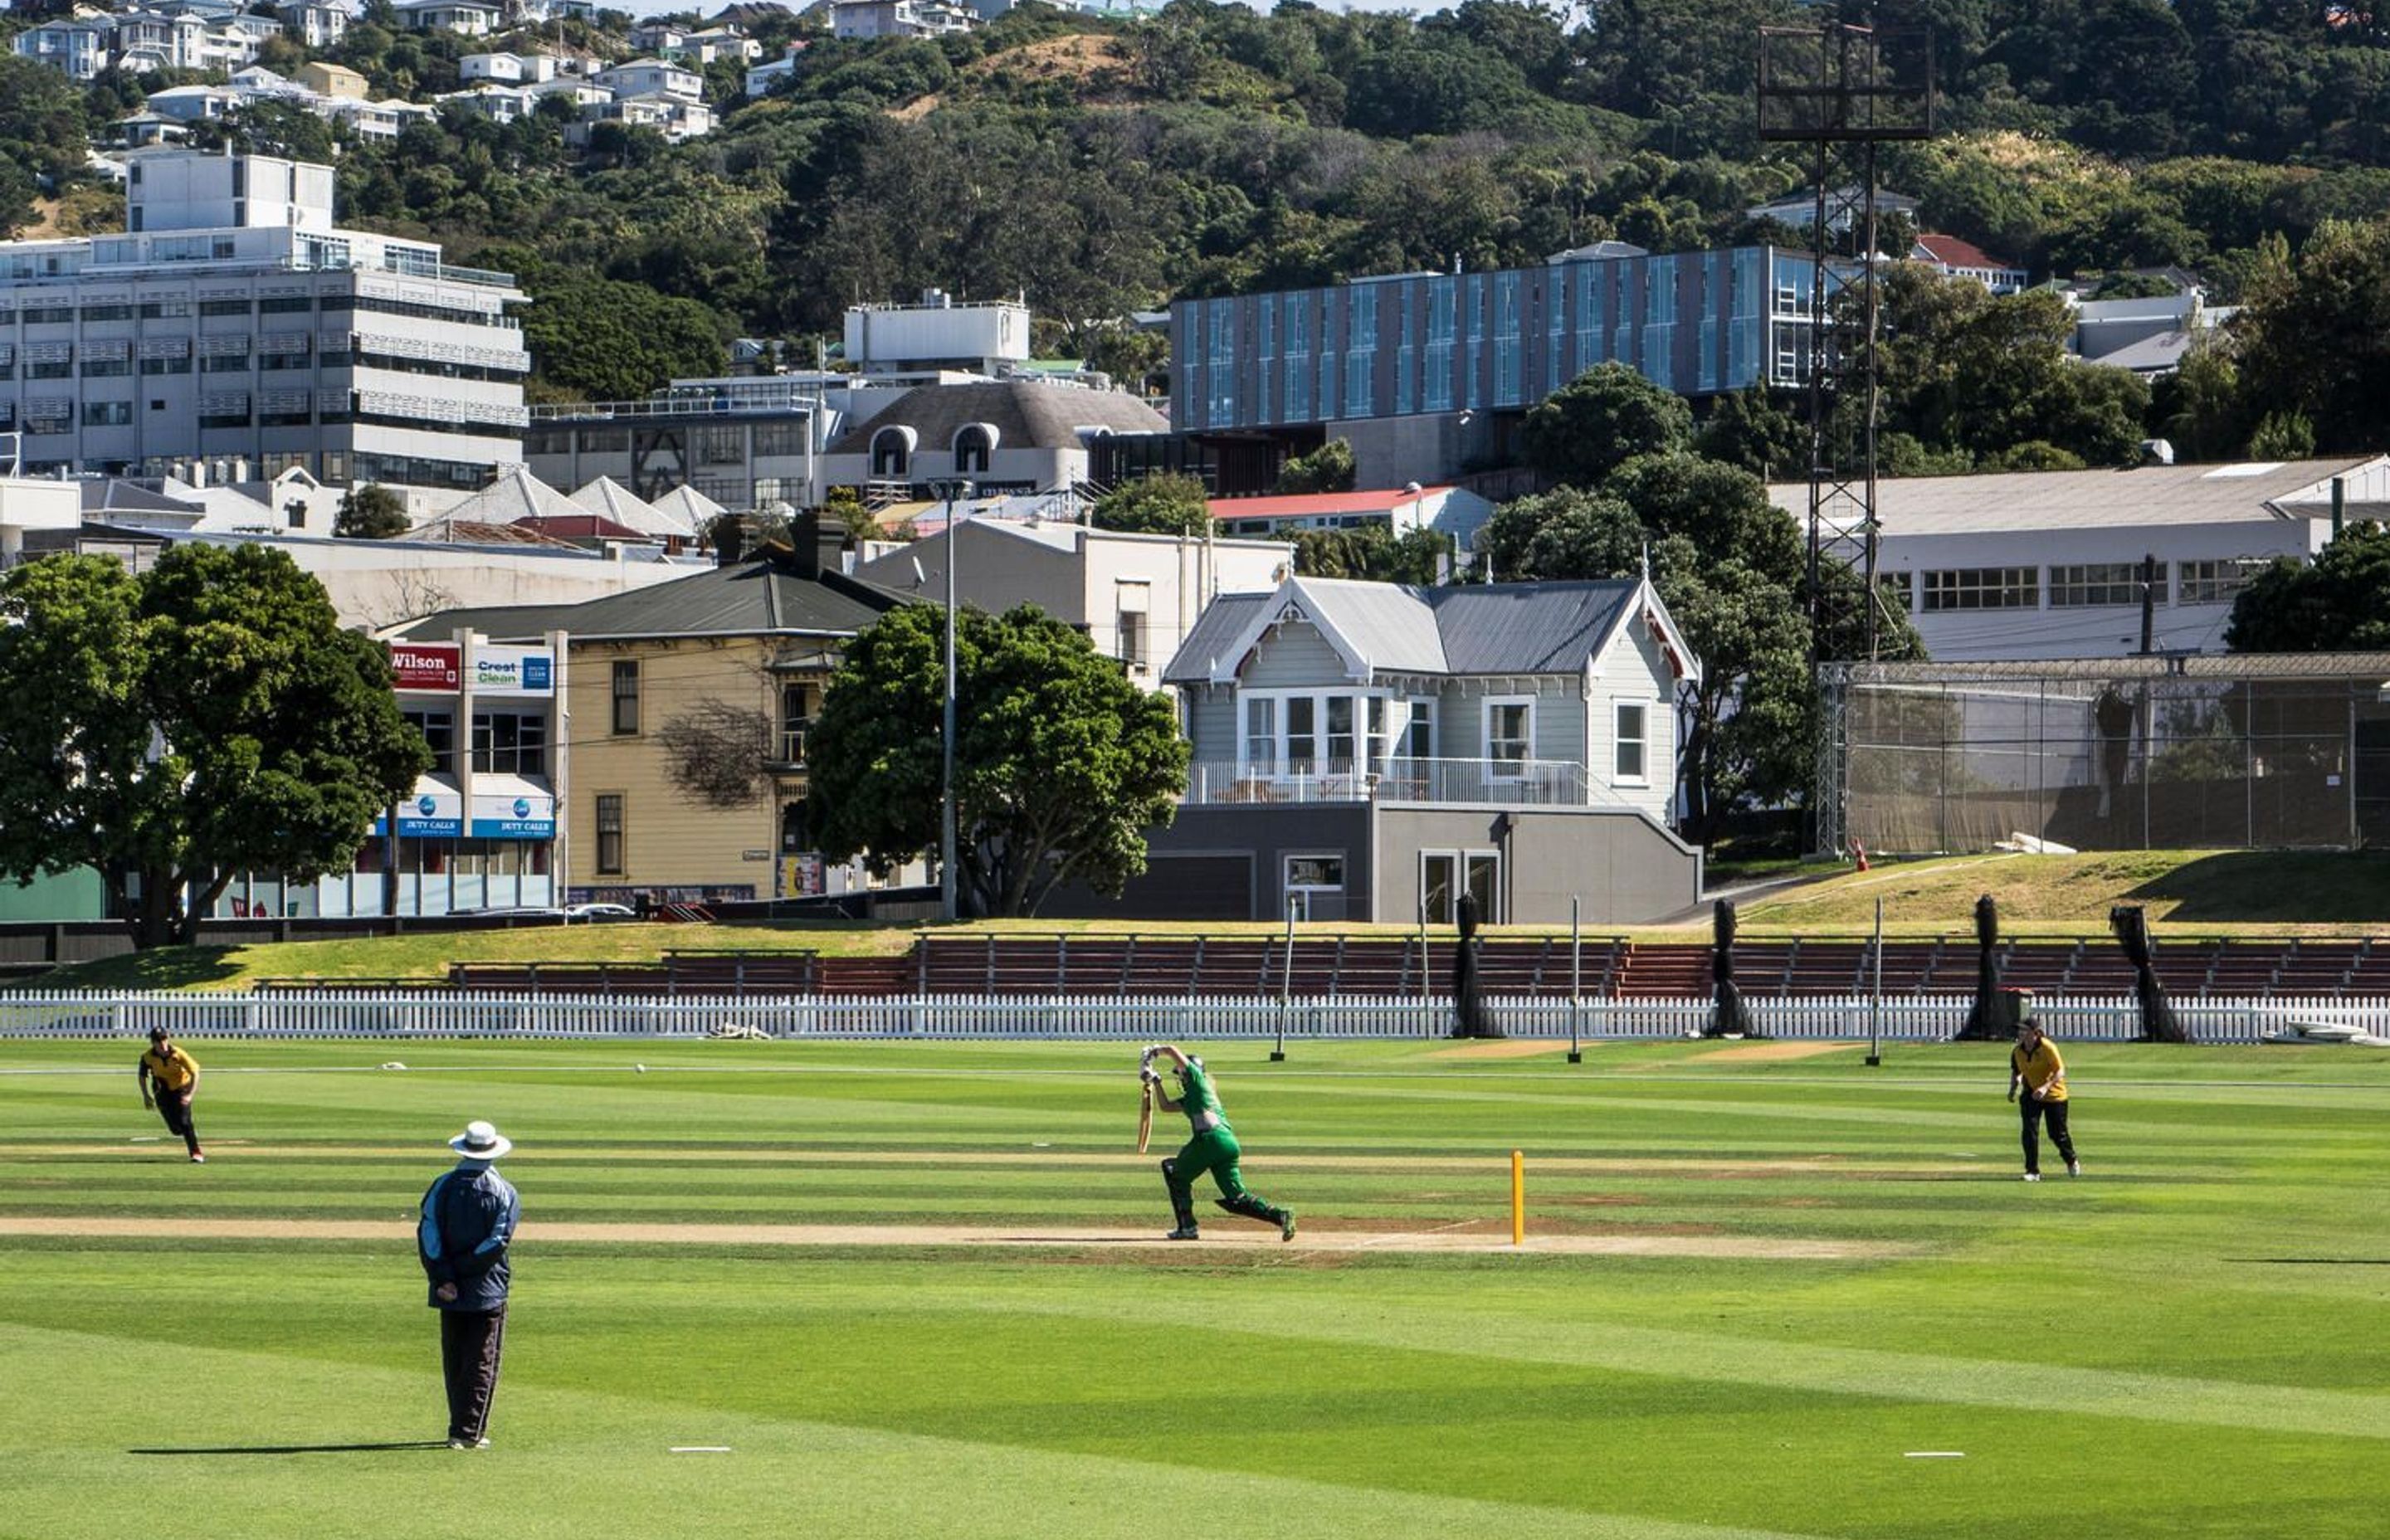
[2130, 753]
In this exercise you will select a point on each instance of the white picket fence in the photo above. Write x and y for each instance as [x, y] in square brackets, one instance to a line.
[399, 1014]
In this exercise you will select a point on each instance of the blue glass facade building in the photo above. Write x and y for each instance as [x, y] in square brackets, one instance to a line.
[1699, 323]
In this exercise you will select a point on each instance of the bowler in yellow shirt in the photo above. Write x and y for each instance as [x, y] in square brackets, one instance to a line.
[176, 1078]
[2036, 1068]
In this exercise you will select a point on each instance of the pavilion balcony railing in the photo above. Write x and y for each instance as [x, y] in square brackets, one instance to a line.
[1497, 782]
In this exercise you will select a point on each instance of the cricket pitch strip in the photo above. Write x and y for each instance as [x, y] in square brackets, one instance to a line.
[1487, 1237]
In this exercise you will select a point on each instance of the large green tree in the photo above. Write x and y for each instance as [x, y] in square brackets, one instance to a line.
[2338, 603]
[2315, 335]
[171, 730]
[1605, 415]
[607, 341]
[1166, 504]
[1061, 764]
[1731, 567]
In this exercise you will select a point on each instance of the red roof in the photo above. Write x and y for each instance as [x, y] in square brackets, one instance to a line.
[1950, 251]
[1312, 505]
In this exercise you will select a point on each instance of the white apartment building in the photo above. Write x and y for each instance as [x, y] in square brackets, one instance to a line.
[867, 18]
[652, 77]
[465, 17]
[234, 319]
[508, 69]
[316, 24]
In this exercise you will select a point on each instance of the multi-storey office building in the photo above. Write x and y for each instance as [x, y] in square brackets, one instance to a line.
[234, 319]
[1425, 346]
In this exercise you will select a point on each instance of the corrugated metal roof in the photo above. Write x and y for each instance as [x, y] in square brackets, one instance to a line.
[1217, 630]
[750, 600]
[1393, 626]
[1517, 628]
[1526, 627]
[2076, 499]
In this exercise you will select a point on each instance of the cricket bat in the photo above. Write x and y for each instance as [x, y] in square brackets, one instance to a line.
[1145, 1118]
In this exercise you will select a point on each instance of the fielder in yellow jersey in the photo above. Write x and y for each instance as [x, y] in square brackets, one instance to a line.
[175, 1076]
[2036, 1068]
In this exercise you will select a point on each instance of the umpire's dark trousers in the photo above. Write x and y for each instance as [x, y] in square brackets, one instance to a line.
[469, 1342]
[2034, 1110]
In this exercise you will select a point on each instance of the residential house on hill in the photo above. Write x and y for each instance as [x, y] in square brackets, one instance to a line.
[1369, 752]
[465, 17]
[1953, 258]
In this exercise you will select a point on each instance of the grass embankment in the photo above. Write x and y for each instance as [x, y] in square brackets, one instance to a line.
[2186, 893]
[2189, 894]
[2178, 1346]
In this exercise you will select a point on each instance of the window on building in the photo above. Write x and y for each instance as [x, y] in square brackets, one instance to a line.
[107, 414]
[223, 307]
[1632, 738]
[512, 743]
[1339, 732]
[1261, 734]
[626, 697]
[892, 455]
[2100, 582]
[796, 720]
[1445, 875]
[1310, 879]
[780, 437]
[972, 447]
[2216, 581]
[1301, 734]
[1510, 735]
[1132, 638]
[610, 834]
[1981, 588]
[720, 445]
[287, 304]
[438, 732]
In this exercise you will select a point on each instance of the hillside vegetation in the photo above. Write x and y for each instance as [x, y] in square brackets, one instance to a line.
[1097, 167]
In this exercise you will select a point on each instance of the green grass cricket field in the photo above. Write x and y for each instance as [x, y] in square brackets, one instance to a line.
[917, 1289]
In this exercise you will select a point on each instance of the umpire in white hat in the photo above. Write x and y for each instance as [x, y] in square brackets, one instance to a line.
[468, 1221]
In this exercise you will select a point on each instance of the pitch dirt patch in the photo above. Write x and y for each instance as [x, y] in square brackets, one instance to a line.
[1513, 1048]
[1763, 1053]
[1473, 1238]
[1408, 1165]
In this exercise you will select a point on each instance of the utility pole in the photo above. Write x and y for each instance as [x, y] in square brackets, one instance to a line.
[2149, 603]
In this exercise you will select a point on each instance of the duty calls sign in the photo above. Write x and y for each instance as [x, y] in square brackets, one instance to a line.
[427, 666]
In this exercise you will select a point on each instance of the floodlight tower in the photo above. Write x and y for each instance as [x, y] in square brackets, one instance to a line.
[1842, 87]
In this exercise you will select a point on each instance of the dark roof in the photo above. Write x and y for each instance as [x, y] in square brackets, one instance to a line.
[1477, 628]
[1025, 414]
[755, 599]
[1217, 630]
[1525, 627]
[115, 494]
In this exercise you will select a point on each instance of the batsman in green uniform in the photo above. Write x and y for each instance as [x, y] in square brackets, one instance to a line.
[1213, 1148]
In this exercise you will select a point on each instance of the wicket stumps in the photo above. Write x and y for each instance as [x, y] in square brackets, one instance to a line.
[1518, 1198]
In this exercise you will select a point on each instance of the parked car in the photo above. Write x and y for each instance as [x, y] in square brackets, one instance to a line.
[597, 912]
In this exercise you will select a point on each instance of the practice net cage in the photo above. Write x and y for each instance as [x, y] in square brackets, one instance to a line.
[2108, 753]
